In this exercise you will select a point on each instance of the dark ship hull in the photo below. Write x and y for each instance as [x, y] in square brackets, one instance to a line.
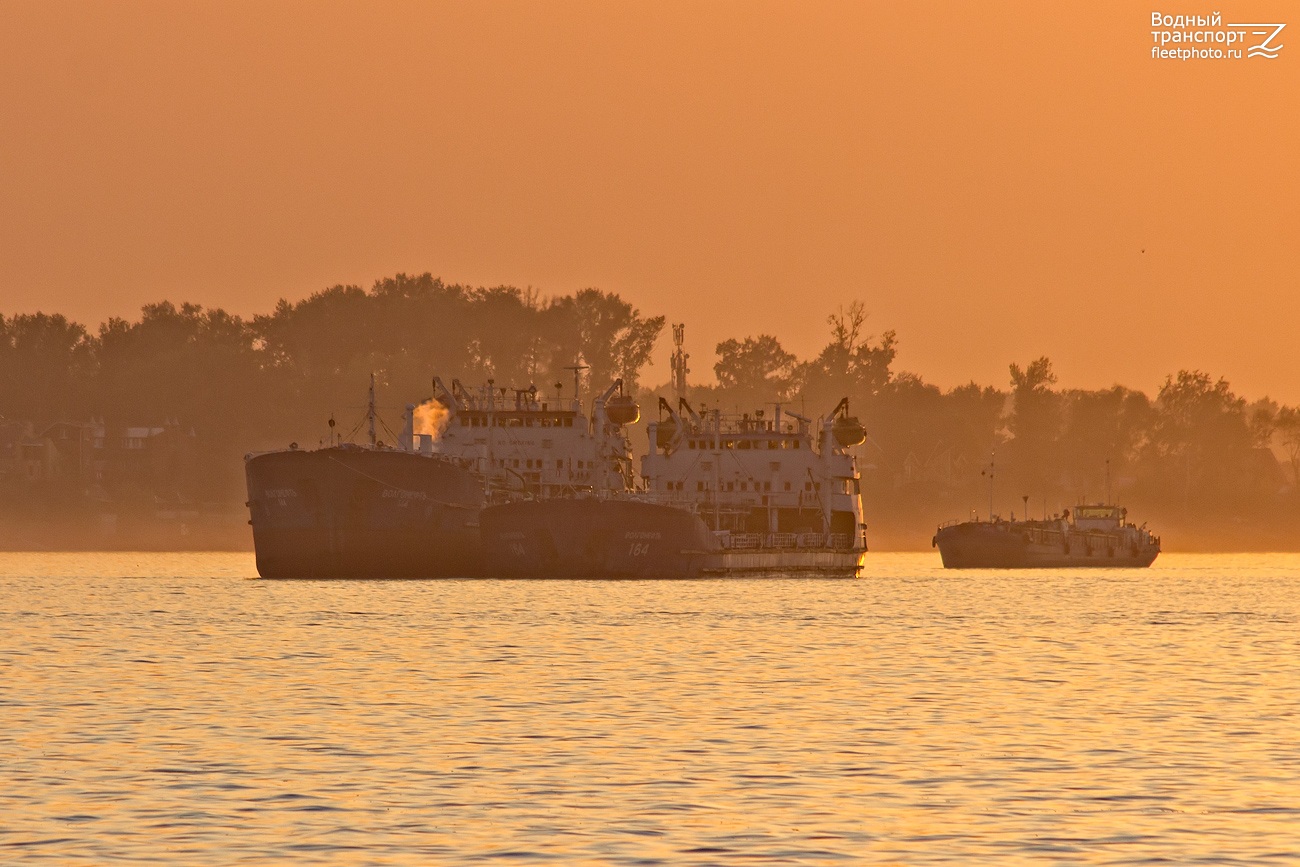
[1009, 545]
[630, 538]
[353, 512]
[594, 538]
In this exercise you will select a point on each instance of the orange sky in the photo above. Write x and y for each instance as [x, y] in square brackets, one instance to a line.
[984, 176]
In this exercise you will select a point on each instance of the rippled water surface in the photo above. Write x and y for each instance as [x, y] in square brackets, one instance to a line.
[167, 708]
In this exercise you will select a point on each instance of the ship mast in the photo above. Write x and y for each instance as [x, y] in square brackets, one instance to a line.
[679, 367]
[577, 367]
[491, 431]
[370, 411]
[992, 462]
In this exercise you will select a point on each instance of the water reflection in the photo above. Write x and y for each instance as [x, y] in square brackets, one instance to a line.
[164, 707]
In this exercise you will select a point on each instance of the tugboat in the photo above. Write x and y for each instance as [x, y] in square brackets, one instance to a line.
[412, 510]
[747, 496]
[1094, 535]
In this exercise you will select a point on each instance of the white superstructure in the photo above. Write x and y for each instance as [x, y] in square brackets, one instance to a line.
[520, 440]
[782, 481]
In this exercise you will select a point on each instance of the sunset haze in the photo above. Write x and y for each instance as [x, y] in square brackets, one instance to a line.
[995, 182]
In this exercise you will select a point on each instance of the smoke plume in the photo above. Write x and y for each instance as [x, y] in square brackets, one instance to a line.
[430, 418]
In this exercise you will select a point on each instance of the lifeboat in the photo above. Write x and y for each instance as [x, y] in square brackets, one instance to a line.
[622, 410]
[665, 433]
[848, 431]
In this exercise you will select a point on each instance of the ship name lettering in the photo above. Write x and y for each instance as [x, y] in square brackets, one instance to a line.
[643, 535]
[406, 495]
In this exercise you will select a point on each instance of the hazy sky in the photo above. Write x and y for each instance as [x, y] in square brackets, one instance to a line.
[995, 181]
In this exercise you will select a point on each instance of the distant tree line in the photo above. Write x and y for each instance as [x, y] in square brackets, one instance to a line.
[244, 384]
[1193, 456]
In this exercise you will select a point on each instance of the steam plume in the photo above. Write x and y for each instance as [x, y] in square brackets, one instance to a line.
[430, 418]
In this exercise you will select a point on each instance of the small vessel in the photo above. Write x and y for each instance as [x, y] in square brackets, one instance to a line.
[412, 509]
[1092, 535]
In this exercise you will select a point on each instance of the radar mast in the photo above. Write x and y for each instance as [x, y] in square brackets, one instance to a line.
[679, 361]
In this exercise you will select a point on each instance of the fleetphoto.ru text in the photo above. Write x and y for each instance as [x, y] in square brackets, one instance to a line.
[1206, 37]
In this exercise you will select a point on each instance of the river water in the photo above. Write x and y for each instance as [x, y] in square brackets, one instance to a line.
[169, 708]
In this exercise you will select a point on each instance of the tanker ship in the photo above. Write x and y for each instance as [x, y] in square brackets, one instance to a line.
[720, 496]
[1093, 535]
[412, 509]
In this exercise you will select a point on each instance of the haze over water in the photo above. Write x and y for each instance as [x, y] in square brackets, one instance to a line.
[163, 707]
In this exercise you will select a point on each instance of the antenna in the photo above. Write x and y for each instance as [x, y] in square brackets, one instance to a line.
[1109, 501]
[678, 364]
[577, 367]
[989, 473]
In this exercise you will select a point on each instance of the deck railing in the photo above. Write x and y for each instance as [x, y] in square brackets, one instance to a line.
[785, 541]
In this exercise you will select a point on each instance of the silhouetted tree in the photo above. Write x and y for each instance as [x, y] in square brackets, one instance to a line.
[1200, 441]
[756, 368]
[605, 332]
[1287, 428]
[46, 363]
[1102, 431]
[1033, 461]
[191, 369]
[851, 364]
[184, 363]
[420, 327]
